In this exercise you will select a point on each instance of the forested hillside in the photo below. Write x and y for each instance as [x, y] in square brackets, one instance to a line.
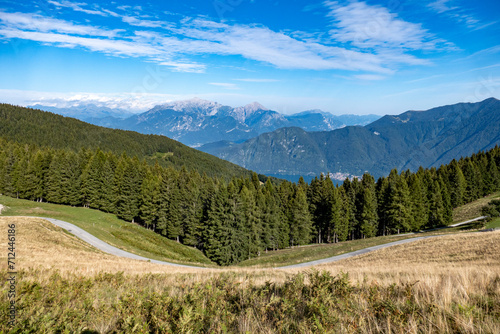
[45, 129]
[236, 220]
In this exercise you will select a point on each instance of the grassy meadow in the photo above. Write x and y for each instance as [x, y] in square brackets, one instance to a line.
[138, 240]
[107, 227]
[440, 285]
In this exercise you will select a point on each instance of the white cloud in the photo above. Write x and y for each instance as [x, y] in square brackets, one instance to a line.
[457, 13]
[257, 80]
[370, 77]
[174, 44]
[77, 7]
[126, 101]
[184, 67]
[141, 23]
[441, 6]
[35, 22]
[108, 46]
[375, 27]
[225, 85]
[275, 48]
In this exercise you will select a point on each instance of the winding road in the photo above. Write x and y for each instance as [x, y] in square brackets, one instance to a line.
[101, 245]
[107, 248]
[355, 253]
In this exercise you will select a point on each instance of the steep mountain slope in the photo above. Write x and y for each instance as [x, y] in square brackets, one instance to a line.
[195, 122]
[30, 126]
[410, 140]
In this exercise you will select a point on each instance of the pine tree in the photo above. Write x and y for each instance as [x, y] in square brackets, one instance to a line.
[436, 205]
[63, 175]
[341, 216]
[398, 210]
[301, 222]
[368, 219]
[419, 210]
[456, 184]
[127, 185]
[150, 197]
[250, 216]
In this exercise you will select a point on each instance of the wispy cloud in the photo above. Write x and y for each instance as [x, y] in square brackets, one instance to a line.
[257, 80]
[184, 67]
[375, 27]
[442, 6]
[77, 7]
[39, 23]
[225, 85]
[363, 38]
[370, 77]
[457, 13]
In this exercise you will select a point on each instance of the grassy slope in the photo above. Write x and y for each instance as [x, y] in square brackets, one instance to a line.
[495, 223]
[141, 241]
[473, 209]
[449, 284]
[109, 228]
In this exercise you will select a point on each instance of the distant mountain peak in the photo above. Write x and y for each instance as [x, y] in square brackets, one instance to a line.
[242, 113]
[195, 105]
[313, 111]
[254, 106]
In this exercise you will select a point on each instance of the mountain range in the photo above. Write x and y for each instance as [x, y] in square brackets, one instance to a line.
[196, 122]
[406, 141]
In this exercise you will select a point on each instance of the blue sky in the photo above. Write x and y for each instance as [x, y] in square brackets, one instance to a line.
[361, 57]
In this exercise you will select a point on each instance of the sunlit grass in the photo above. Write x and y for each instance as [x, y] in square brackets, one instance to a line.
[107, 227]
[446, 284]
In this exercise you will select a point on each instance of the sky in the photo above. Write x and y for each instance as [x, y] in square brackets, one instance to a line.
[343, 57]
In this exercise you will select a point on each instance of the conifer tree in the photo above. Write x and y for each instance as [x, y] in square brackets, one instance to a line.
[150, 198]
[368, 219]
[454, 181]
[382, 190]
[419, 210]
[398, 210]
[341, 216]
[301, 222]
[62, 178]
[436, 205]
[127, 183]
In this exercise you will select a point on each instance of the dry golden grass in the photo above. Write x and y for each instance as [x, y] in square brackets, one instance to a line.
[453, 280]
[42, 245]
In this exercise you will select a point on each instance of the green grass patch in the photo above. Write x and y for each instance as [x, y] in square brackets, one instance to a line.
[107, 227]
[285, 257]
[473, 209]
[495, 223]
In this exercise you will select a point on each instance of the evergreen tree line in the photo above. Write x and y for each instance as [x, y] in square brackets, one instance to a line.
[231, 221]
